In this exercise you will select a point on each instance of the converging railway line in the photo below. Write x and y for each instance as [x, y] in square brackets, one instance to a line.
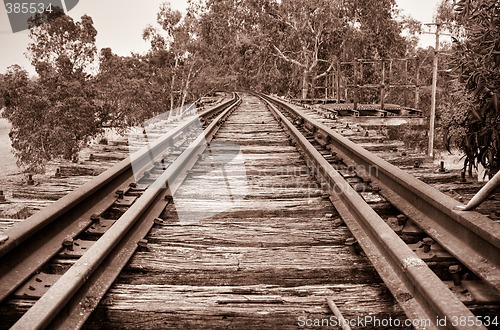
[254, 216]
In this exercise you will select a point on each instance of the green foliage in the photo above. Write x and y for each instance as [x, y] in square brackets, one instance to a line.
[476, 63]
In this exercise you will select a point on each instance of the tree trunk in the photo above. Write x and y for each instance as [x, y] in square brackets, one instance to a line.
[172, 93]
[172, 87]
[186, 88]
[305, 83]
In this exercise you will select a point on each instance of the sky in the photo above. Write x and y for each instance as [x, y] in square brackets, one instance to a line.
[119, 25]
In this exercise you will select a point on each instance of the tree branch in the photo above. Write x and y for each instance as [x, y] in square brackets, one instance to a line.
[326, 72]
[288, 59]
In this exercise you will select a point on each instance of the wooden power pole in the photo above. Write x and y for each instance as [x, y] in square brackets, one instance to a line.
[433, 92]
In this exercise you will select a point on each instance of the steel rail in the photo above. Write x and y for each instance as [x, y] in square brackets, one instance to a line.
[45, 231]
[421, 294]
[47, 308]
[483, 193]
[469, 236]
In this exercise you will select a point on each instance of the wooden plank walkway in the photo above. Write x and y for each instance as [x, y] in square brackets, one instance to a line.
[249, 242]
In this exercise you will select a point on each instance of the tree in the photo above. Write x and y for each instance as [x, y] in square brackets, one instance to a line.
[476, 63]
[375, 33]
[127, 89]
[55, 35]
[2, 90]
[173, 51]
[289, 46]
[55, 115]
[309, 36]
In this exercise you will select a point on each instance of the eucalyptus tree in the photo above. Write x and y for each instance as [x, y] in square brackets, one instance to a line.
[127, 91]
[2, 90]
[308, 35]
[285, 46]
[174, 51]
[218, 27]
[54, 115]
[376, 32]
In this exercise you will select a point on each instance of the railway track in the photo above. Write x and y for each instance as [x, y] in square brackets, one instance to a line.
[248, 231]
[464, 243]
[71, 239]
[385, 143]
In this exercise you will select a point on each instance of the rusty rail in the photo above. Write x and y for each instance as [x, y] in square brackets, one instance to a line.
[469, 236]
[419, 291]
[44, 231]
[49, 306]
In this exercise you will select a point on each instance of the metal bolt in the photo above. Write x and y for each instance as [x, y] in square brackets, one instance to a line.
[68, 243]
[31, 182]
[455, 274]
[120, 193]
[366, 134]
[95, 217]
[401, 219]
[58, 173]
[417, 164]
[2, 196]
[427, 244]
[143, 244]
[159, 221]
[351, 243]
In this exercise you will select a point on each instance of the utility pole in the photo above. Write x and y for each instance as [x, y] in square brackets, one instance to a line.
[433, 92]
